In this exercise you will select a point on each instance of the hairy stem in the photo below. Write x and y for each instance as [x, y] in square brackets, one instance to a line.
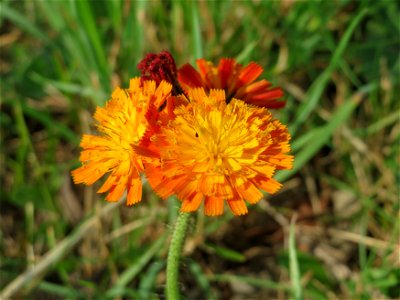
[174, 254]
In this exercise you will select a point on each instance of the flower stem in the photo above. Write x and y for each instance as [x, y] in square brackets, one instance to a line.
[174, 253]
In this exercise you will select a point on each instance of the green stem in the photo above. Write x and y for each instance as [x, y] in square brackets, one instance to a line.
[174, 254]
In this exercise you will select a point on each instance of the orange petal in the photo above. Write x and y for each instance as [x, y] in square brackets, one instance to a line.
[157, 180]
[273, 104]
[282, 161]
[250, 73]
[204, 66]
[238, 207]
[255, 87]
[247, 92]
[192, 203]
[271, 186]
[250, 192]
[197, 94]
[108, 184]
[134, 84]
[218, 95]
[162, 92]
[209, 74]
[225, 69]
[271, 94]
[189, 76]
[147, 150]
[213, 206]
[187, 188]
[134, 191]
[265, 170]
[117, 190]
[87, 174]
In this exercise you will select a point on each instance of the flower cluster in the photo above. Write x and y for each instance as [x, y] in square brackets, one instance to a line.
[206, 136]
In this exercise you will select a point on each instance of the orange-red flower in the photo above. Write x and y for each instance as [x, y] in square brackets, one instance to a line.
[218, 152]
[121, 123]
[211, 142]
[237, 81]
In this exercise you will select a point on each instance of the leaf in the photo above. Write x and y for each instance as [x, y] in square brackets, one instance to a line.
[227, 253]
[315, 92]
[22, 22]
[129, 274]
[297, 290]
[317, 138]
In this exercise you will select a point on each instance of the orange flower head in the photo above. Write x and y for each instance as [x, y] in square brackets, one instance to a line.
[121, 123]
[237, 81]
[219, 152]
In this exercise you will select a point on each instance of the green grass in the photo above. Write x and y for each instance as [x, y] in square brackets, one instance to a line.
[339, 66]
[297, 290]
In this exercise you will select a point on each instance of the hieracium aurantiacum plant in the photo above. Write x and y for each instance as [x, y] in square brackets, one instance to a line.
[206, 136]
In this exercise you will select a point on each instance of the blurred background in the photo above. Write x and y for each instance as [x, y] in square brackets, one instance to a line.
[338, 63]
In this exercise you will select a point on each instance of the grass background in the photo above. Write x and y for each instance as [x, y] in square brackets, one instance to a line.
[338, 62]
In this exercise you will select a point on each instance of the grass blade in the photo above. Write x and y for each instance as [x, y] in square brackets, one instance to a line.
[33, 275]
[59, 290]
[244, 56]
[45, 118]
[149, 279]
[318, 138]
[197, 43]
[294, 265]
[315, 92]
[226, 253]
[201, 279]
[87, 19]
[257, 282]
[137, 266]
[22, 22]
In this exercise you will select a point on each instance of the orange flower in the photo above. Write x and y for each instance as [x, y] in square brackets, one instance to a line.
[214, 151]
[122, 124]
[237, 81]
